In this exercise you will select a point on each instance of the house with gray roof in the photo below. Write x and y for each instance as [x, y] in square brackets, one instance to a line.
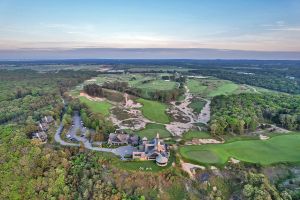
[120, 137]
[155, 149]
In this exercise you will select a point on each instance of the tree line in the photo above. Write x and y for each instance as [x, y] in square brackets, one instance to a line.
[244, 112]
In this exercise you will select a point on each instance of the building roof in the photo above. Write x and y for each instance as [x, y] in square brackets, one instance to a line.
[161, 159]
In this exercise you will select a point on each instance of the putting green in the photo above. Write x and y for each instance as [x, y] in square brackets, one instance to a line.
[282, 148]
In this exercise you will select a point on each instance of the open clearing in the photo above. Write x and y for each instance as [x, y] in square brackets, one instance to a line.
[154, 111]
[98, 107]
[152, 129]
[282, 148]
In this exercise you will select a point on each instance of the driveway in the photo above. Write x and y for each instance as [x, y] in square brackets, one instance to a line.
[120, 151]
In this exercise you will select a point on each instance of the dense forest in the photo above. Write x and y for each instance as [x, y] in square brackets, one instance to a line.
[283, 81]
[243, 113]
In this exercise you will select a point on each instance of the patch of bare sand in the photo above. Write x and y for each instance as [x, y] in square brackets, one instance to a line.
[178, 128]
[197, 141]
[83, 94]
[190, 168]
[129, 103]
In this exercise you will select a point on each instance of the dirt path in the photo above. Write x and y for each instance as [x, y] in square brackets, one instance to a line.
[189, 168]
[178, 128]
[204, 116]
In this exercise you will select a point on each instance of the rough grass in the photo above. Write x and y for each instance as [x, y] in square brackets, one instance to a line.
[196, 134]
[197, 105]
[96, 106]
[154, 111]
[151, 130]
[278, 149]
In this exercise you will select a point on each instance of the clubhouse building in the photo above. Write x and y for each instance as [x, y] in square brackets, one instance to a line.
[155, 149]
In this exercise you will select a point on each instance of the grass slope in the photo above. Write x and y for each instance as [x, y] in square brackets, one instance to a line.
[152, 129]
[196, 134]
[282, 148]
[95, 106]
[195, 86]
[225, 89]
[154, 111]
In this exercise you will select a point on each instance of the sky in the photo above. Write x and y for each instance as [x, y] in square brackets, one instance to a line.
[65, 25]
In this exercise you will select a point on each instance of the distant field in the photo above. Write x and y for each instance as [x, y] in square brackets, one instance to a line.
[282, 148]
[211, 87]
[196, 134]
[225, 89]
[195, 86]
[152, 129]
[154, 111]
[157, 85]
[95, 106]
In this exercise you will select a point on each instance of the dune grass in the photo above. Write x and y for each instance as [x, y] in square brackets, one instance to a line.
[96, 106]
[154, 111]
[278, 149]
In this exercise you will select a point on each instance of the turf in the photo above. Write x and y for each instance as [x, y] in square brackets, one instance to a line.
[157, 85]
[152, 129]
[196, 134]
[278, 149]
[95, 106]
[225, 89]
[138, 165]
[154, 111]
[212, 87]
[195, 86]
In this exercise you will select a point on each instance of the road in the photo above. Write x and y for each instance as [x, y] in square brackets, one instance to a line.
[59, 140]
[120, 151]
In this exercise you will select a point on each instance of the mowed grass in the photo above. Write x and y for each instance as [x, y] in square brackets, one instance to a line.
[212, 87]
[157, 85]
[278, 149]
[226, 89]
[154, 111]
[138, 165]
[195, 86]
[151, 130]
[196, 134]
[96, 106]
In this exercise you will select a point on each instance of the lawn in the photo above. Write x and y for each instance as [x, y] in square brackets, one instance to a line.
[138, 165]
[154, 111]
[278, 149]
[152, 129]
[96, 106]
[196, 134]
